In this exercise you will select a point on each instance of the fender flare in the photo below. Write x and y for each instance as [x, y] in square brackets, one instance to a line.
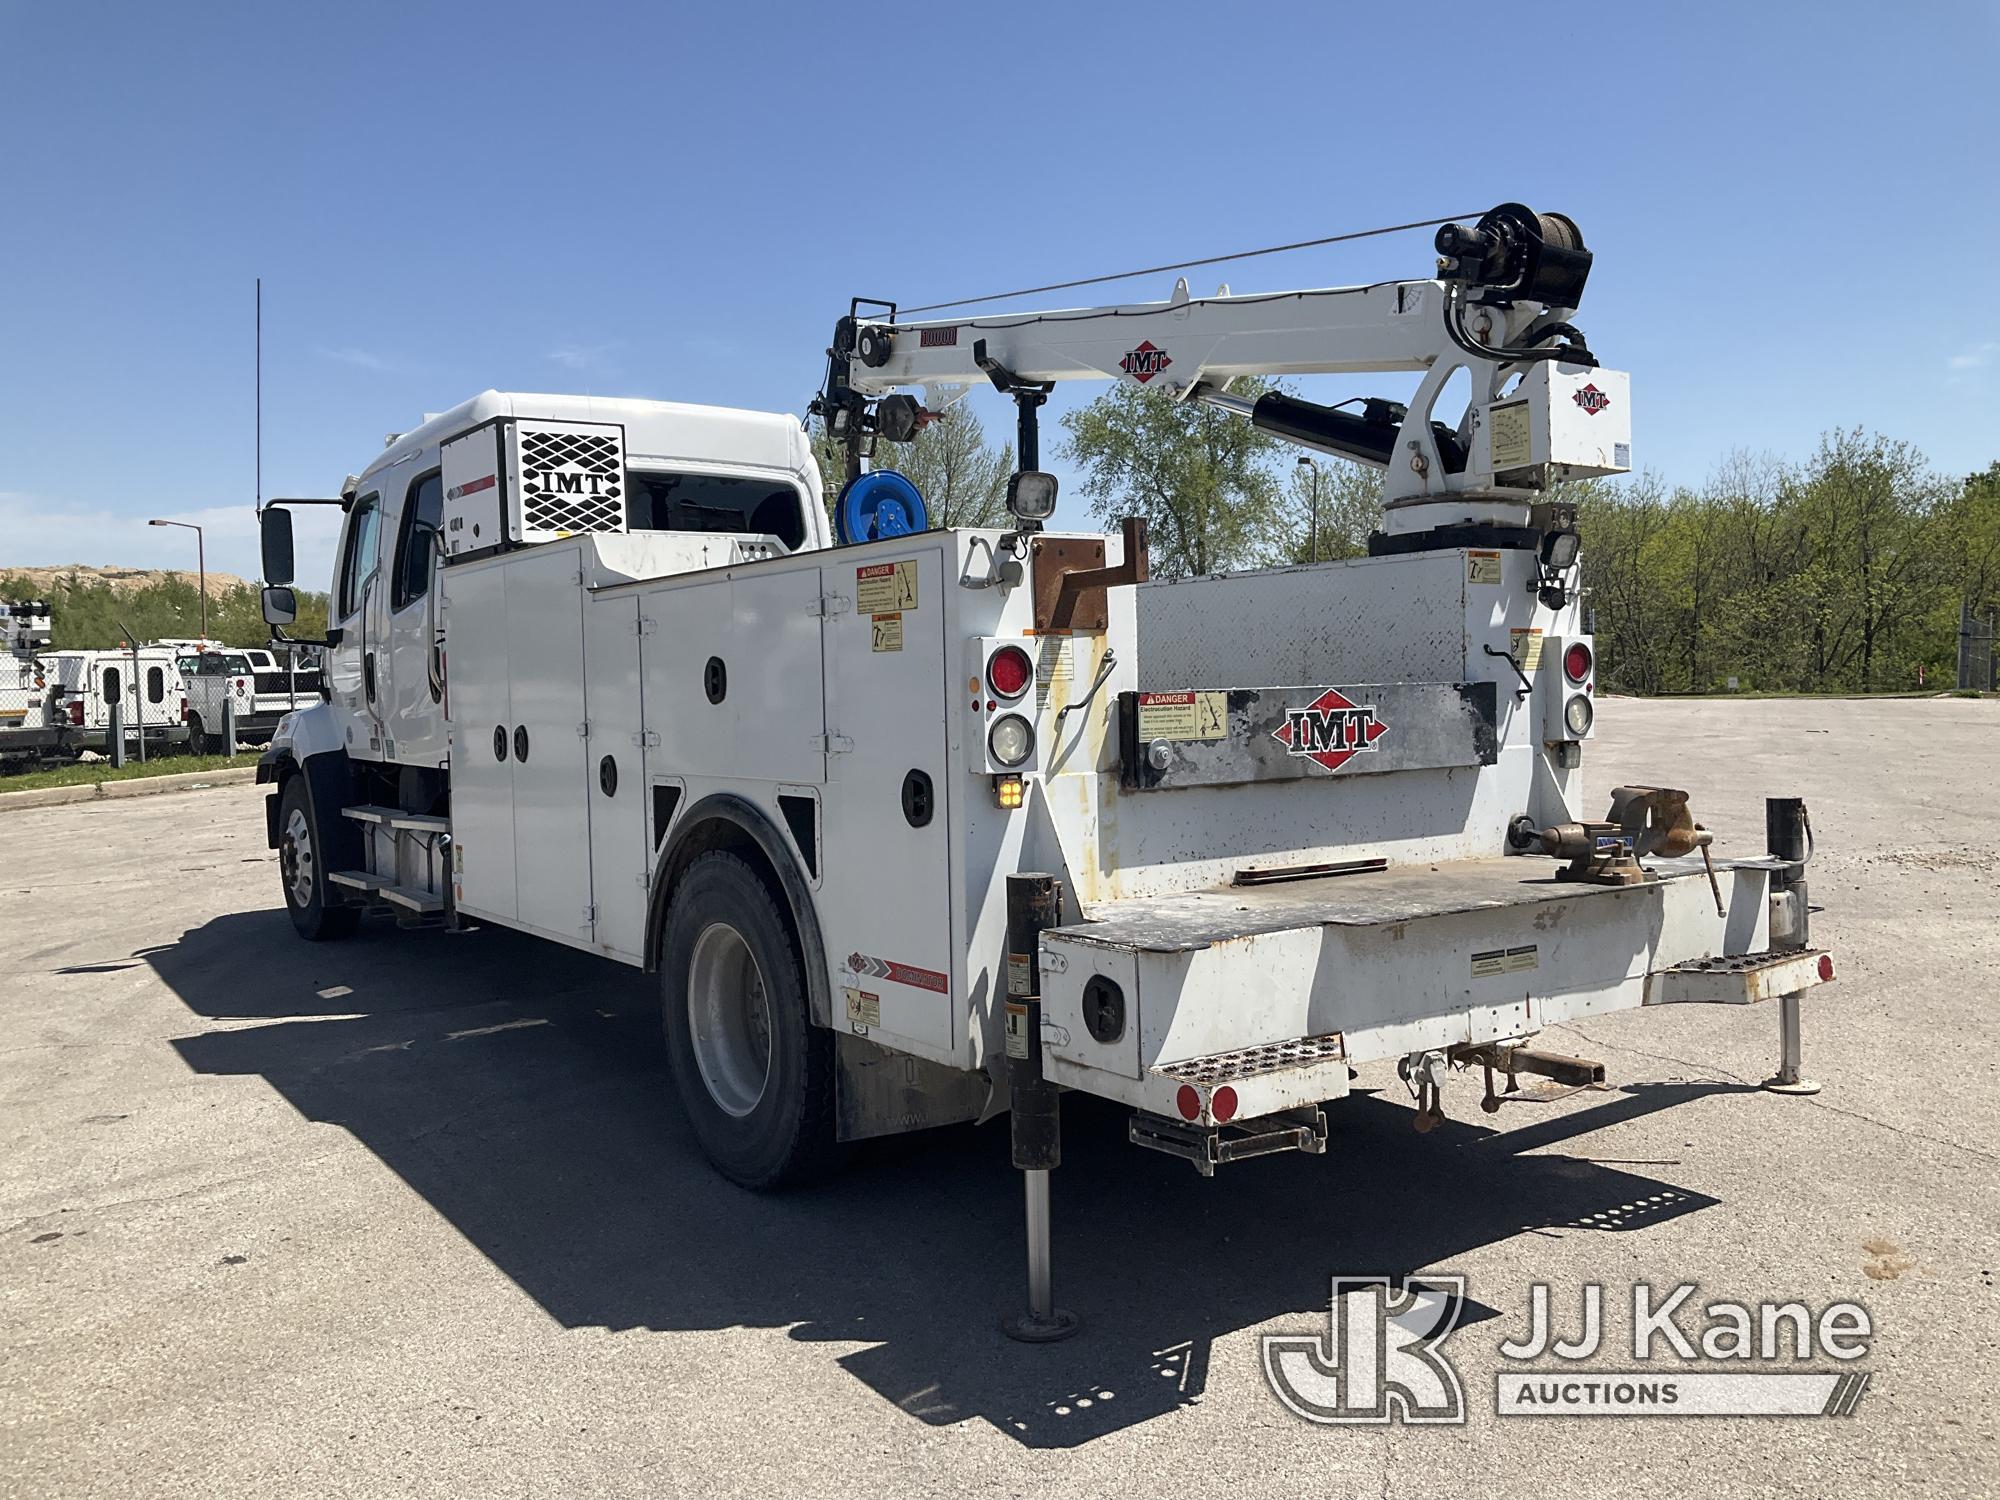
[695, 833]
[329, 787]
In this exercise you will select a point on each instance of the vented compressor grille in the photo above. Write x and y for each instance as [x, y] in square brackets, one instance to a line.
[571, 482]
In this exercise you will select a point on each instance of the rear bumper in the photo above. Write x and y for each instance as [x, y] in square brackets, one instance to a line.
[1272, 993]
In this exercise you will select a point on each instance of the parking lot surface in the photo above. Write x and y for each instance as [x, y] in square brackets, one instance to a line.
[416, 1214]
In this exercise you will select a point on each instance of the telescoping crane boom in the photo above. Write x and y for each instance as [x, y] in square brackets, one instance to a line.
[1541, 410]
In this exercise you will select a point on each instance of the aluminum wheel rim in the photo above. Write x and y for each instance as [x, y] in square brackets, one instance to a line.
[297, 857]
[729, 1018]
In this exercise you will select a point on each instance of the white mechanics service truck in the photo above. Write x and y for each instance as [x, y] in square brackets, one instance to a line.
[920, 825]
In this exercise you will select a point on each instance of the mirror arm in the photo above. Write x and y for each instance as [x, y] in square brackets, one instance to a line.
[330, 639]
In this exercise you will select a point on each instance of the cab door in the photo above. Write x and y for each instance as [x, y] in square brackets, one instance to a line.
[409, 681]
[355, 579]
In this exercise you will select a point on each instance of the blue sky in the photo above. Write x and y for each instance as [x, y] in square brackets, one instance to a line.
[1794, 209]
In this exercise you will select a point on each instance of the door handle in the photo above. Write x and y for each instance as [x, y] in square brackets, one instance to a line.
[368, 674]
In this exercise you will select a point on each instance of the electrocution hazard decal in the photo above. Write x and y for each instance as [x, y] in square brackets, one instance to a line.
[885, 588]
[1183, 716]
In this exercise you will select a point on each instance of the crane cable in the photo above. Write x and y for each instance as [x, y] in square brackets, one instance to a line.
[1186, 265]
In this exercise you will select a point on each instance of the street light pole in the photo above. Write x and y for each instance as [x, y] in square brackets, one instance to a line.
[1307, 463]
[201, 566]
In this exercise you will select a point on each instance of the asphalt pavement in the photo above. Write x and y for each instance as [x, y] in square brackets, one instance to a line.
[416, 1214]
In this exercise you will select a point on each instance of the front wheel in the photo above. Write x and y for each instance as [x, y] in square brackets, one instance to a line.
[302, 867]
[754, 1075]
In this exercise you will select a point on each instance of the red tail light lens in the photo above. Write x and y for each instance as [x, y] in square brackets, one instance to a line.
[76, 712]
[1577, 662]
[184, 710]
[1009, 672]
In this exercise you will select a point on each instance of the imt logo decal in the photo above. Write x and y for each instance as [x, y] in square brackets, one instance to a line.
[1592, 400]
[1379, 1361]
[1331, 730]
[1144, 362]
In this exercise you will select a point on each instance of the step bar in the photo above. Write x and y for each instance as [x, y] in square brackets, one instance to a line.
[395, 817]
[383, 889]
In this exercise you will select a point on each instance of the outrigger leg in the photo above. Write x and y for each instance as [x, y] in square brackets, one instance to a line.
[1034, 902]
[1788, 834]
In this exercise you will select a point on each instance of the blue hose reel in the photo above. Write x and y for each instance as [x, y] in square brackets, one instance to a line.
[878, 505]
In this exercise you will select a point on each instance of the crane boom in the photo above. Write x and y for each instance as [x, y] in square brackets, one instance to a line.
[1541, 410]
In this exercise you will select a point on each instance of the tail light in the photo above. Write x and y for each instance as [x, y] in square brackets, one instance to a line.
[184, 710]
[1577, 662]
[1009, 672]
[76, 712]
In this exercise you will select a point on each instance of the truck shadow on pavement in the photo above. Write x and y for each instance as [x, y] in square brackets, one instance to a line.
[522, 1091]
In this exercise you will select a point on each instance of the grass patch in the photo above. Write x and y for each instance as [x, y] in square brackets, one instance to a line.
[87, 772]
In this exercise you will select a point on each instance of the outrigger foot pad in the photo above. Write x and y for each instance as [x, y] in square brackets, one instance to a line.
[1030, 1329]
[1799, 1086]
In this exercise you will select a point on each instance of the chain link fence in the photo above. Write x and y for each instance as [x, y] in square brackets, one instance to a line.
[1978, 649]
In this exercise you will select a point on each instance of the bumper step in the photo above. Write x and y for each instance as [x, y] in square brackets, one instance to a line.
[1742, 979]
[1209, 1146]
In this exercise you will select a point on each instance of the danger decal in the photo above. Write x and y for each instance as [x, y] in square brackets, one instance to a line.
[1592, 400]
[898, 973]
[1144, 362]
[1331, 730]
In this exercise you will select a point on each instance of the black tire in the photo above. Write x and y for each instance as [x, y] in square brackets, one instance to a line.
[786, 1136]
[198, 737]
[317, 919]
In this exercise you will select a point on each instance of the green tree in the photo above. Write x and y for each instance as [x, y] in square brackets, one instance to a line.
[1202, 478]
[1332, 507]
[87, 613]
[962, 479]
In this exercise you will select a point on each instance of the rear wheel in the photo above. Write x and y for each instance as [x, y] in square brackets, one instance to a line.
[754, 1075]
[198, 738]
[302, 867]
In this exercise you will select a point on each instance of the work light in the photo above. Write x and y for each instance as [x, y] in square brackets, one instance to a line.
[1031, 495]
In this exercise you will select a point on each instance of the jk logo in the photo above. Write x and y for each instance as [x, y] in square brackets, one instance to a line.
[1379, 1361]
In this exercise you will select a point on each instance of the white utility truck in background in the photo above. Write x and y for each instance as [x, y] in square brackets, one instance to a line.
[145, 683]
[226, 684]
[931, 824]
[25, 729]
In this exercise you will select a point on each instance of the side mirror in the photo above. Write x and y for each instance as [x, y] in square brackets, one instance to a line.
[275, 533]
[281, 604]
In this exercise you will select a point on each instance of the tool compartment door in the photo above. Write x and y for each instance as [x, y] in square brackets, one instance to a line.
[551, 809]
[615, 780]
[885, 893]
[482, 780]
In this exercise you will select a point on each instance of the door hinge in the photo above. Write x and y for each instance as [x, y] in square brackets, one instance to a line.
[645, 879]
[832, 744]
[645, 625]
[583, 730]
[647, 739]
[590, 916]
[831, 604]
